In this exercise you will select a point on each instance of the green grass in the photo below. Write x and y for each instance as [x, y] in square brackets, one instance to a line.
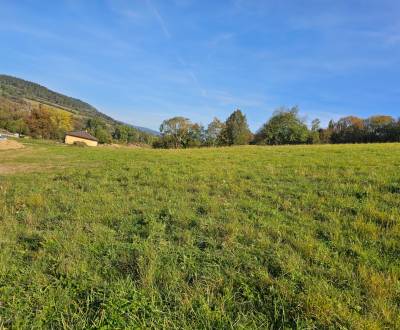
[241, 237]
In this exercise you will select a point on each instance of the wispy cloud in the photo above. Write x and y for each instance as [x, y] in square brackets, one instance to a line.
[188, 72]
[159, 19]
[29, 30]
[126, 9]
[192, 75]
[220, 39]
[225, 98]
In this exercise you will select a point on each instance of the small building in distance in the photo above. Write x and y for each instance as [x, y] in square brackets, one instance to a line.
[81, 137]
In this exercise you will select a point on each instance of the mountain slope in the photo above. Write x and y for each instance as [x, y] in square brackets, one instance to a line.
[19, 91]
[146, 130]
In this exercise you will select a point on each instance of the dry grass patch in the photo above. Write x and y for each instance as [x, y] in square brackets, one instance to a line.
[26, 168]
[10, 145]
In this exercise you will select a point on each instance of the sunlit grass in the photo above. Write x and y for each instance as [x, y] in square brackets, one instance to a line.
[242, 237]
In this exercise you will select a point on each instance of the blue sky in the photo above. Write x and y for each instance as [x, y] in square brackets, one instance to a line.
[142, 61]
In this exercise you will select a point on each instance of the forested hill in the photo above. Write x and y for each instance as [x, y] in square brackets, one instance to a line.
[16, 88]
[30, 109]
[19, 89]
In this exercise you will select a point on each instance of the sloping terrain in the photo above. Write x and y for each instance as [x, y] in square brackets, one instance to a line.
[21, 95]
[19, 89]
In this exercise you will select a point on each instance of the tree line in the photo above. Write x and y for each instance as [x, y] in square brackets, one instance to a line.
[180, 132]
[284, 127]
[123, 134]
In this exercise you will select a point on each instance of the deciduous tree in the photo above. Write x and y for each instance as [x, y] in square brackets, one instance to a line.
[236, 131]
[175, 130]
[213, 133]
[284, 127]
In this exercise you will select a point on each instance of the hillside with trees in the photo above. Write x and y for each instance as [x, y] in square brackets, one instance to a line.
[30, 109]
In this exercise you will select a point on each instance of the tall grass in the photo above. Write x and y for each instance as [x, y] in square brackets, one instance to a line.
[242, 237]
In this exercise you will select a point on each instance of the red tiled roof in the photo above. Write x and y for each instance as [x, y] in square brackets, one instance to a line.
[82, 135]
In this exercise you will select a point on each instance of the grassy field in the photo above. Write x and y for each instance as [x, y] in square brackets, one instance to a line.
[241, 237]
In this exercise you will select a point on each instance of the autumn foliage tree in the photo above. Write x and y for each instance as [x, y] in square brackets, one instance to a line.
[40, 124]
[352, 129]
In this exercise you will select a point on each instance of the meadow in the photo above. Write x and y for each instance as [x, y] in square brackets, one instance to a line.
[246, 237]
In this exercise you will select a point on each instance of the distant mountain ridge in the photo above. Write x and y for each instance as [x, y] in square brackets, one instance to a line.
[145, 129]
[18, 89]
